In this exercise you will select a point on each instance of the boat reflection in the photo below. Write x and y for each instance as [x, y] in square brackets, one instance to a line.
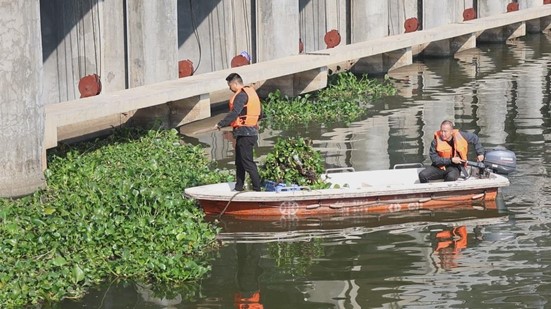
[258, 229]
[270, 253]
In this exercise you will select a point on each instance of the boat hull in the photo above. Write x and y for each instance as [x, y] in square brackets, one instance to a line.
[350, 193]
[345, 206]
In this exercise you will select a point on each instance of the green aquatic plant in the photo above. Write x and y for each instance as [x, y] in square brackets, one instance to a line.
[294, 161]
[345, 99]
[295, 258]
[112, 209]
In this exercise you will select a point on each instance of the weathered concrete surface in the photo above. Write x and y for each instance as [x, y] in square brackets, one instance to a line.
[65, 113]
[212, 32]
[21, 106]
[71, 40]
[112, 47]
[277, 37]
[369, 20]
[399, 11]
[437, 13]
[504, 33]
[152, 52]
[295, 84]
[449, 47]
[277, 29]
[319, 17]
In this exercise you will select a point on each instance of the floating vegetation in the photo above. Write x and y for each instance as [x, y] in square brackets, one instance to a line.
[112, 209]
[294, 161]
[345, 99]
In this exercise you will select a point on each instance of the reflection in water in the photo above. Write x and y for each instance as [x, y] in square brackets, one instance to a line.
[448, 245]
[500, 92]
[247, 276]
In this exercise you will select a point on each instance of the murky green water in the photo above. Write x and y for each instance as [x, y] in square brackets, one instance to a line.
[500, 92]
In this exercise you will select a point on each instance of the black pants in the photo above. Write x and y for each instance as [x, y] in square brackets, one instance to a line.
[244, 162]
[432, 172]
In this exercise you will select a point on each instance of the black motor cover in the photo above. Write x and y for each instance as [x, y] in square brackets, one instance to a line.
[500, 161]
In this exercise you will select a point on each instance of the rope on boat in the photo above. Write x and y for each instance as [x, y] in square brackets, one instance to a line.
[228, 204]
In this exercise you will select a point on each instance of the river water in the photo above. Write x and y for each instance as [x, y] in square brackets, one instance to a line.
[500, 256]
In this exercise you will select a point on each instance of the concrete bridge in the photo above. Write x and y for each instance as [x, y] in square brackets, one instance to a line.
[137, 45]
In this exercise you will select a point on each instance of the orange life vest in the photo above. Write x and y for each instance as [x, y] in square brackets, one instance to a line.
[253, 109]
[444, 150]
[252, 302]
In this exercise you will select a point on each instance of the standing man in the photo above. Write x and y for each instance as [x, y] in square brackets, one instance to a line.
[245, 111]
[448, 153]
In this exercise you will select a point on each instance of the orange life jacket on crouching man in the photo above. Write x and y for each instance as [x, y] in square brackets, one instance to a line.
[444, 150]
[252, 108]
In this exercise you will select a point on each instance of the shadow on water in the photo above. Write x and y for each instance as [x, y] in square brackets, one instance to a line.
[404, 260]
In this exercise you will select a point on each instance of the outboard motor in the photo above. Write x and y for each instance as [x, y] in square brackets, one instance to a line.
[499, 161]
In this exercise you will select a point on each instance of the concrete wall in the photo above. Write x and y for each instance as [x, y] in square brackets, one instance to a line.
[317, 17]
[438, 13]
[277, 29]
[368, 20]
[21, 104]
[398, 12]
[492, 7]
[152, 37]
[112, 46]
[212, 32]
[152, 52]
[71, 46]
[83, 37]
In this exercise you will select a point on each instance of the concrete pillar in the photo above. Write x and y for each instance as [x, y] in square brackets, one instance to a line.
[525, 4]
[335, 11]
[369, 20]
[501, 34]
[492, 7]
[212, 32]
[71, 40]
[538, 25]
[152, 52]
[383, 63]
[112, 46]
[277, 29]
[189, 110]
[399, 11]
[449, 47]
[21, 106]
[277, 36]
[317, 17]
[295, 84]
[437, 13]
[535, 25]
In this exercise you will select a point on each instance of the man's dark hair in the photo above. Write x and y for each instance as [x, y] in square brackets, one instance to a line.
[448, 122]
[234, 77]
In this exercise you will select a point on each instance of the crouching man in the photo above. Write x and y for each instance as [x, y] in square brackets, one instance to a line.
[448, 153]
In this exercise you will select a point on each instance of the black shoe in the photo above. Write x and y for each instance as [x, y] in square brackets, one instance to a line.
[238, 189]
